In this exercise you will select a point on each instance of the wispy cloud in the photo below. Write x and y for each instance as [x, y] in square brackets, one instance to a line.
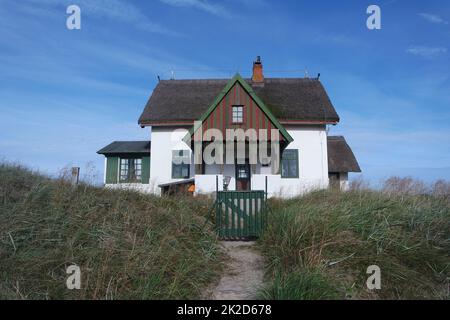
[118, 10]
[433, 18]
[204, 5]
[427, 52]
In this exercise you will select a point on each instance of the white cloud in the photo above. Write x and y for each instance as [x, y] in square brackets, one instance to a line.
[204, 5]
[119, 10]
[433, 18]
[427, 52]
[124, 11]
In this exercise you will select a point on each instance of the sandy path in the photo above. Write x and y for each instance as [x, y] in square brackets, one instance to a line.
[243, 273]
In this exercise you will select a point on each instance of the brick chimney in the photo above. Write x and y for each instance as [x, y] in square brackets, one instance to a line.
[258, 76]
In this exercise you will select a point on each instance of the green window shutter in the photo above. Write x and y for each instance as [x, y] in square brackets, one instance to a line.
[146, 169]
[112, 164]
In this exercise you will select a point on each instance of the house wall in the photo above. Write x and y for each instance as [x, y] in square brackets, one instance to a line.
[311, 143]
[343, 181]
[206, 183]
[164, 141]
[112, 168]
[214, 169]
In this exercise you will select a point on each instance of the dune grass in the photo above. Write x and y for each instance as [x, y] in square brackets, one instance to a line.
[128, 245]
[319, 246]
[134, 246]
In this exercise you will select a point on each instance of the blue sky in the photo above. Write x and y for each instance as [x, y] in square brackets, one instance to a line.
[67, 93]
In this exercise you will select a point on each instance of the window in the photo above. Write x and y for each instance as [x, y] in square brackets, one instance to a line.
[130, 170]
[289, 163]
[181, 163]
[237, 114]
[242, 173]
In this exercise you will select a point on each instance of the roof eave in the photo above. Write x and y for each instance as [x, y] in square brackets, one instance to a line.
[165, 123]
[286, 121]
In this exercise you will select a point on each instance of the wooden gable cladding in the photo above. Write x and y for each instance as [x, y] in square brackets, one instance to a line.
[256, 114]
[253, 117]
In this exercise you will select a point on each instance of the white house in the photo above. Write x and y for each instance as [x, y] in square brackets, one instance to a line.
[190, 118]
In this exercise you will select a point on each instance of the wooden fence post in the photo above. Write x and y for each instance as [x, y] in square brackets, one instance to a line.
[74, 178]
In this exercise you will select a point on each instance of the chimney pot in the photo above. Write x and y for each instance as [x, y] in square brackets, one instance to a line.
[258, 76]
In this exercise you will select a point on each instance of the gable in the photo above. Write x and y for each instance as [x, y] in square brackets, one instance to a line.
[221, 117]
[256, 115]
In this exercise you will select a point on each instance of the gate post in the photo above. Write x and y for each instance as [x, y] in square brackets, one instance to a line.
[218, 217]
[266, 190]
[265, 208]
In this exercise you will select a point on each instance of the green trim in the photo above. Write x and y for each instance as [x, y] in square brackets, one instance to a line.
[238, 79]
[112, 170]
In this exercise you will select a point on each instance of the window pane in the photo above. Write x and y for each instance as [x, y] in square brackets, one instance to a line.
[130, 170]
[123, 169]
[237, 114]
[176, 171]
[284, 168]
[181, 160]
[185, 171]
[289, 164]
[292, 168]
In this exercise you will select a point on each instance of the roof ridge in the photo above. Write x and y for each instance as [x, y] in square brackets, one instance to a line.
[269, 79]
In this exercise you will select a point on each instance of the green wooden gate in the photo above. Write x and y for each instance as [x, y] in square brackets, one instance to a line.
[240, 214]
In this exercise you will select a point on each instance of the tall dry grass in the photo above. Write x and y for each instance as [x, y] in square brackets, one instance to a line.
[128, 245]
[325, 241]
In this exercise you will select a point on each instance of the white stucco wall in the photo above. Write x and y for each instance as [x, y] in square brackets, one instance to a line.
[311, 142]
[164, 140]
[206, 183]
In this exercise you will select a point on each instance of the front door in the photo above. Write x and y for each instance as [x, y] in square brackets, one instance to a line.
[242, 177]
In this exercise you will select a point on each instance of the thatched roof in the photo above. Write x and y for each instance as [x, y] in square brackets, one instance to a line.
[340, 156]
[300, 99]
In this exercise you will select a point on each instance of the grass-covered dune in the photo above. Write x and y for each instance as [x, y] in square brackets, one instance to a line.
[319, 246]
[134, 246]
[128, 245]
